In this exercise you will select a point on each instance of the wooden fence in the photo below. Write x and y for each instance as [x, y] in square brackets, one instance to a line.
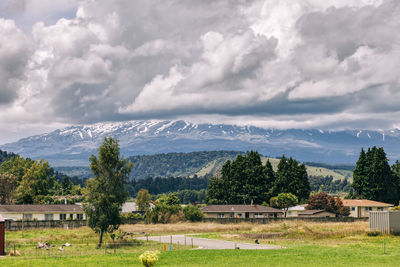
[19, 225]
[269, 220]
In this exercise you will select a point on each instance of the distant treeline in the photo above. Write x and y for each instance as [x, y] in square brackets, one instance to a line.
[331, 167]
[328, 185]
[160, 185]
[176, 164]
[188, 196]
[4, 156]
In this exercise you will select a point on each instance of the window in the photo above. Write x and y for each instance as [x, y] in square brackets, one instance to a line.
[258, 215]
[221, 215]
[231, 215]
[368, 208]
[380, 209]
[63, 217]
[71, 216]
[79, 216]
[353, 208]
[27, 217]
[239, 215]
[48, 217]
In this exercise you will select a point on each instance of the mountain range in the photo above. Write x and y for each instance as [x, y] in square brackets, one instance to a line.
[73, 145]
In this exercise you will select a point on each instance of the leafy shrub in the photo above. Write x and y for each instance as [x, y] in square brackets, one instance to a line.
[193, 213]
[149, 258]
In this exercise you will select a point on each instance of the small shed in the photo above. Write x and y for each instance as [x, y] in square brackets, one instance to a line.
[2, 235]
[384, 221]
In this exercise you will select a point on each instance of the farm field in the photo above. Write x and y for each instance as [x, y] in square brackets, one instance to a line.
[306, 243]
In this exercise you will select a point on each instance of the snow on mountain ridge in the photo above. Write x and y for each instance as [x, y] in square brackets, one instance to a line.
[73, 145]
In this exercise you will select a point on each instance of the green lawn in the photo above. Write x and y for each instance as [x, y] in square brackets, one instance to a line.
[305, 244]
[298, 255]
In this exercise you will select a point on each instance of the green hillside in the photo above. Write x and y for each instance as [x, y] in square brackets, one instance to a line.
[203, 163]
[207, 163]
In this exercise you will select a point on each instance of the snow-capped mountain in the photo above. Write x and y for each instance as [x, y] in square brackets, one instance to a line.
[73, 145]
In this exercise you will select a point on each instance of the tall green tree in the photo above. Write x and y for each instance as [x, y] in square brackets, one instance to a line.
[143, 200]
[243, 181]
[374, 179]
[36, 183]
[8, 185]
[106, 193]
[292, 177]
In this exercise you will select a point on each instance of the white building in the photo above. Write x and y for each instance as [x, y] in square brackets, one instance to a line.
[294, 211]
[42, 212]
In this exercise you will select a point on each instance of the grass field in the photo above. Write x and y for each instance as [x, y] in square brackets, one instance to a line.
[306, 244]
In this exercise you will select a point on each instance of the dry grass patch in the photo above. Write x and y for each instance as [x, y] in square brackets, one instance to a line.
[281, 230]
[175, 228]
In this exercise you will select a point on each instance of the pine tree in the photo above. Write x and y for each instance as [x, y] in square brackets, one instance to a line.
[360, 175]
[373, 178]
[292, 177]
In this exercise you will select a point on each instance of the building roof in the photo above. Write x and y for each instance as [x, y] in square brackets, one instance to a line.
[312, 212]
[39, 208]
[364, 203]
[239, 208]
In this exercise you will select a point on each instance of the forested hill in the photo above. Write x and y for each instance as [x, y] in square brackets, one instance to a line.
[204, 163]
[4, 156]
[180, 164]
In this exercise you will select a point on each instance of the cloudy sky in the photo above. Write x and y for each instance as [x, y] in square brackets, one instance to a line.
[329, 64]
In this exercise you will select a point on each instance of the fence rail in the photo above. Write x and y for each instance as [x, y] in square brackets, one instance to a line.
[19, 225]
[270, 220]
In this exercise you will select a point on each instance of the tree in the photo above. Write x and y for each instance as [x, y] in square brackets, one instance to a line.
[284, 201]
[167, 207]
[143, 200]
[8, 184]
[373, 178]
[193, 213]
[244, 181]
[292, 177]
[322, 201]
[106, 193]
[36, 183]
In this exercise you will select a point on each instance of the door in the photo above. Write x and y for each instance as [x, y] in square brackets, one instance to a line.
[247, 215]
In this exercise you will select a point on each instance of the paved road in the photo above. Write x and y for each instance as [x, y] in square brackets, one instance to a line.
[205, 243]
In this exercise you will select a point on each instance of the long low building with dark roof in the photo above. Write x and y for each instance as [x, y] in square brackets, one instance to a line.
[240, 211]
[42, 212]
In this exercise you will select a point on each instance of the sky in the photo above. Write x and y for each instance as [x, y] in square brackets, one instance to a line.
[326, 64]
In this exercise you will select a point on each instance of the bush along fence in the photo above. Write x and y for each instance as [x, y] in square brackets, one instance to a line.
[270, 220]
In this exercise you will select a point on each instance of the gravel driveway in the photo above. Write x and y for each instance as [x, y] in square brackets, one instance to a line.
[205, 243]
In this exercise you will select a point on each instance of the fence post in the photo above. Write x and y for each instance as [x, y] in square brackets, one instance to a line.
[384, 246]
[192, 242]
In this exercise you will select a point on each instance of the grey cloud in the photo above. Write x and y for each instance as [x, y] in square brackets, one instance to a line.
[14, 55]
[121, 60]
